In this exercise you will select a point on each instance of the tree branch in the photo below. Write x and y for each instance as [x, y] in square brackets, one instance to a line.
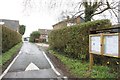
[115, 14]
[100, 11]
[79, 15]
[78, 12]
[108, 7]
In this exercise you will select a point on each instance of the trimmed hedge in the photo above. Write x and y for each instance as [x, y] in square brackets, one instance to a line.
[74, 40]
[34, 35]
[9, 38]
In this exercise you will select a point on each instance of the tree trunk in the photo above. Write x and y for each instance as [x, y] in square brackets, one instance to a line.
[88, 13]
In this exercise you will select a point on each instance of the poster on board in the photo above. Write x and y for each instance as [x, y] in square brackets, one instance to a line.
[95, 44]
[111, 45]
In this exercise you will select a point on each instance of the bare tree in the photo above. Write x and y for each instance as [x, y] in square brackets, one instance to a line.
[86, 8]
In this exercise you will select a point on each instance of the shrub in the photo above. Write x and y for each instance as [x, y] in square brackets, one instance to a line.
[34, 35]
[74, 40]
[9, 38]
[22, 29]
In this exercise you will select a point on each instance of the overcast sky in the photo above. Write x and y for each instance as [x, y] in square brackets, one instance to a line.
[39, 16]
[34, 19]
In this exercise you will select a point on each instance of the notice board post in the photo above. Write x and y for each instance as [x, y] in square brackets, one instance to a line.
[91, 61]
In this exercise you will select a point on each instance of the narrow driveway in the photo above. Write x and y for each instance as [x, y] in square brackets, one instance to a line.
[31, 63]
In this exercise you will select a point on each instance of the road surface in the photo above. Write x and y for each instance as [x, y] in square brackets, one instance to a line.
[31, 63]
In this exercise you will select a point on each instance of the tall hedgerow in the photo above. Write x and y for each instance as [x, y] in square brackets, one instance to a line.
[9, 38]
[74, 40]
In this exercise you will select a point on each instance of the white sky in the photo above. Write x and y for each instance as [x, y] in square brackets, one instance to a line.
[14, 10]
[34, 18]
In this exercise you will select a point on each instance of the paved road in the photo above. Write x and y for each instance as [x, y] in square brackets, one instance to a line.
[31, 56]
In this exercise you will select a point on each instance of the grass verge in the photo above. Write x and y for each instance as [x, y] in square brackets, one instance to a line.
[9, 54]
[81, 69]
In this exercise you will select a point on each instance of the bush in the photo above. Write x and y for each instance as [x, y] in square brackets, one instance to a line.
[22, 29]
[9, 38]
[34, 35]
[74, 41]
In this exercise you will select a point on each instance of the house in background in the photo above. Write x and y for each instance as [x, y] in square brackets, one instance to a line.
[59, 25]
[12, 24]
[68, 22]
[44, 35]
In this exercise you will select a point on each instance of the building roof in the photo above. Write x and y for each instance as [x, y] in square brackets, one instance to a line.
[12, 24]
[59, 23]
[8, 20]
[44, 31]
[70, 20]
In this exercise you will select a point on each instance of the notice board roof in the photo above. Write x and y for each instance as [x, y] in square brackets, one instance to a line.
[107, 30]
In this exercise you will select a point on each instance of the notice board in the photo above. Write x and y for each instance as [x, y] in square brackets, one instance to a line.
[95, 44]
[111, 45]
[105, 44]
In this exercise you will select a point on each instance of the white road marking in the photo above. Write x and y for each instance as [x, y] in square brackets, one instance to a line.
[32, 66]
[65, 77]
[3, 74]
[42, 44]
[51, 64]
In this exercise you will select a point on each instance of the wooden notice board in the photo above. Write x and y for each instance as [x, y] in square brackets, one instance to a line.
[95, 44]
[111, 45]
[105, 44]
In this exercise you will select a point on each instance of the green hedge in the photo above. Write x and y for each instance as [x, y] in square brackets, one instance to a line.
[34, 35]
[74, 40]
[9, 38]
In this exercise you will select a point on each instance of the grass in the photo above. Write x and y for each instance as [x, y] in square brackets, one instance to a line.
[81, 70]
[8, 55]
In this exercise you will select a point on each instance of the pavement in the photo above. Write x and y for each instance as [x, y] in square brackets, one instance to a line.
[31, 63]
